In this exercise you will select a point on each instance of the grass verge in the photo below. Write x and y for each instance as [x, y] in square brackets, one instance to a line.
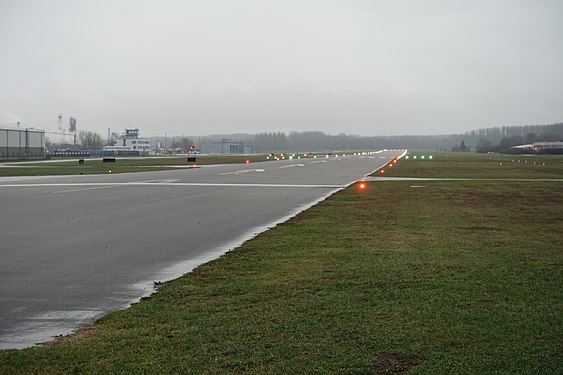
[473, 165]
[122, 165]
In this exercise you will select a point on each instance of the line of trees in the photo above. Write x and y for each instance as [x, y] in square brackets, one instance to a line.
[480, 140]
[489, 139]
[522, 134]
[90, 140]
[501, 139]
[317, 141]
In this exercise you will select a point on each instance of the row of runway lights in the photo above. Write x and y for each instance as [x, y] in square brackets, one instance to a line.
[284, 156]
[407, 157]
[305, 156]
[421, 157]
[525, 162]
[292, 156]
[362, 185]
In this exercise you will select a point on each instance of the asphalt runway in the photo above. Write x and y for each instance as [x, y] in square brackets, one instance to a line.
[74, 248]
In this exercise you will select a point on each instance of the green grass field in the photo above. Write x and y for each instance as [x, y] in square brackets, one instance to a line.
[472, 165]
[122, 165]
[456, 277]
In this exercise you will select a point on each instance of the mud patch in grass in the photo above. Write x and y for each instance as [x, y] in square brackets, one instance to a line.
[389, 363]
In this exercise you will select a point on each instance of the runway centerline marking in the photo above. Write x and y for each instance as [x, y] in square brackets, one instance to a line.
[164, 180]
[84, 189]
[242, 171]
[292, 165]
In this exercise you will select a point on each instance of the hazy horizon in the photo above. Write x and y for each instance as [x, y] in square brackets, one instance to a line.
[359, 67]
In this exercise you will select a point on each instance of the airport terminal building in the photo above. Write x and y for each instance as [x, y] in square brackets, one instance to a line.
[130, 142]
[21, 144]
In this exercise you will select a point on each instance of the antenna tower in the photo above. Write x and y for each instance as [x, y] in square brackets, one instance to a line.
[60, 122]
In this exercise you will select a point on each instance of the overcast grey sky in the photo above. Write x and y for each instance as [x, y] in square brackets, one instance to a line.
[367, 67]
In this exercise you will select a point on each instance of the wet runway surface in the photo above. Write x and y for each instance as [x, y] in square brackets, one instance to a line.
[74, 248]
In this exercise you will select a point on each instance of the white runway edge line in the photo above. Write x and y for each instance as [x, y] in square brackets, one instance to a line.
[383, 179]
[114, 184]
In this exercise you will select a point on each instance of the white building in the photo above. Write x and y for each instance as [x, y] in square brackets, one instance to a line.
[130, 141]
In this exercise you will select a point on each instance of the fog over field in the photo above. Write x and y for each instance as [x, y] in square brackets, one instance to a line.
[366, 67]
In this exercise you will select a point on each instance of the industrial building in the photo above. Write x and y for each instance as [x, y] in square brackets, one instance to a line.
[226, 146]
[21, 144]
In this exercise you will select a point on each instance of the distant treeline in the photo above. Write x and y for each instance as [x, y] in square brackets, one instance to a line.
[489, 139]
[501, 139]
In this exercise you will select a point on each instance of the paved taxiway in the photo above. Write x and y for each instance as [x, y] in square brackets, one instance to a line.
[73, 248]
